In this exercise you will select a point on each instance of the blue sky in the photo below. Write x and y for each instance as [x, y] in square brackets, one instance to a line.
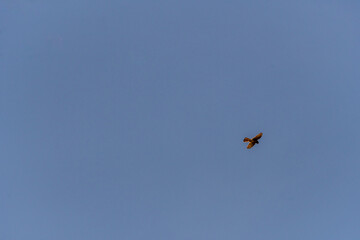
[125, 119]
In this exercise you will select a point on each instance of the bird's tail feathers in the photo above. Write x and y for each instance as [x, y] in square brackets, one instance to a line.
[247, 139]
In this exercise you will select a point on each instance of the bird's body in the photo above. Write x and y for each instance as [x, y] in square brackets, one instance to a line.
[253, 140]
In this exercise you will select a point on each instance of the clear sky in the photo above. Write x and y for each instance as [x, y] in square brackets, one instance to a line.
[125, 119]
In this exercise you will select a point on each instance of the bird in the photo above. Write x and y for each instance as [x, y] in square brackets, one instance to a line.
[253, 141]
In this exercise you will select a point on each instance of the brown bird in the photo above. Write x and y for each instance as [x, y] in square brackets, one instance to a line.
[253, 141]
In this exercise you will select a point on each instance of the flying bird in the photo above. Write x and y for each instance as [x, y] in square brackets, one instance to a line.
[253, 141]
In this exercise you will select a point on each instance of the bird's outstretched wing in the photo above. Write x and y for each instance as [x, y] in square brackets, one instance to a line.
[247, 139]
[257, 136]
[251, 144]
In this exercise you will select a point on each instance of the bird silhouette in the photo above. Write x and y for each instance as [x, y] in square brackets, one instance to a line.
[253, 141]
